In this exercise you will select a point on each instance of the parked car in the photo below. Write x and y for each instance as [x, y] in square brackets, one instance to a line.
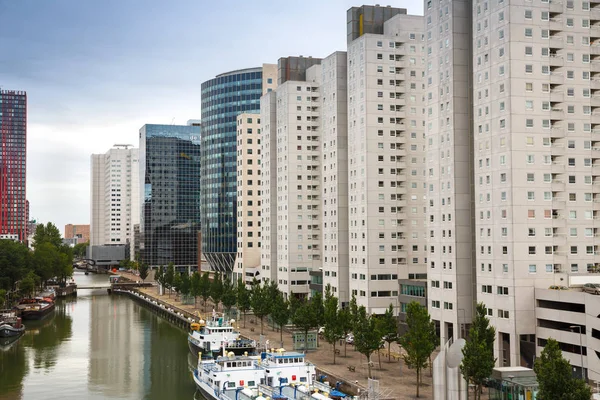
[593, 288]
[350, 339]
[556, 287]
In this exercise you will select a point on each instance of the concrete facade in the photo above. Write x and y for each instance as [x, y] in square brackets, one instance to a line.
[114, 196]
[386, 161]
[247, 264]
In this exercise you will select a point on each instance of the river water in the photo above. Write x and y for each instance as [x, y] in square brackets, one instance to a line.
[97, 346]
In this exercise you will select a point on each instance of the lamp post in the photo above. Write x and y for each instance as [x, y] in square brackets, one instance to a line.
[460, 326]
[580, 346]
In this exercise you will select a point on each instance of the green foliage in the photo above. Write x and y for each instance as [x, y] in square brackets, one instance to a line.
[478, 353]
[14, 263]
[229, 295]
[204, 289]
[79, 249]
[418, 342]
[216, 290]
[555, 378]
[159, 276]
[48, 233]
[143, 269]
[306, 314]
[28, 284]
[367, 338]
[195, 285]
[345, 323]
[177, 282]
[2, 298]
[243, 298]
[169, 277]
[387, 325]
[332, 330]
[280, 312]
[260, 302]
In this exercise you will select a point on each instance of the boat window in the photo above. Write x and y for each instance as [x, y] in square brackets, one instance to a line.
[302, 379]
[228, 365]
[251, 383]
[231, 384]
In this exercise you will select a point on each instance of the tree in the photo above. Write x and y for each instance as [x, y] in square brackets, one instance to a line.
[345, 323]
[366, 337]
[305, 316]
[186, 284]
[177, 282]
[259, 301]
[205, 288]
[478, 354]
[280, 313]
[316, 302]
[2, 298]
[195, 285]
[143, 269]
[169, 277]
[229, 295]
[417, 341]
[159, 276]
[48, 233]
[14, 263]
[28, 284]
[388, 327]
[216, 290]
[555, 378]
[243, 298]
[79, 249]
[332, 330]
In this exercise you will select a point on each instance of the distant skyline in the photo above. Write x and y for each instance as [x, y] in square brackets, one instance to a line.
[96, 71]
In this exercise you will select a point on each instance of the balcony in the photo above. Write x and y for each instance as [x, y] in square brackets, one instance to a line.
[558, 95]
[556, 7]
[595, 65]
[556, 61]
[558, 168]
[556, 77]
[595, 170]
[595, 118]
[558, 186]
[555, 24]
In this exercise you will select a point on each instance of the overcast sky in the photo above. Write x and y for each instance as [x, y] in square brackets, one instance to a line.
[95, 71]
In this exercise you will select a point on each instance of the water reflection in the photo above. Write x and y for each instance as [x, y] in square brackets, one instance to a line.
[96, 347]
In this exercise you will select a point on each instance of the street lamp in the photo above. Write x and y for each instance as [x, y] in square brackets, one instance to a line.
[580, 346]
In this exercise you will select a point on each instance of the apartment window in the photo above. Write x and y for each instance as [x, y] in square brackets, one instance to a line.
[529, 123]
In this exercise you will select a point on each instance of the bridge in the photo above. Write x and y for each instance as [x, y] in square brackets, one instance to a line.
[102, 286]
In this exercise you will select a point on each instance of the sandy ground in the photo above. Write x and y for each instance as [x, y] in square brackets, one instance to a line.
[395, 379]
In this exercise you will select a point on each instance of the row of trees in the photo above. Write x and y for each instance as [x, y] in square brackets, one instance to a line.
[22, 270]
[371, 332]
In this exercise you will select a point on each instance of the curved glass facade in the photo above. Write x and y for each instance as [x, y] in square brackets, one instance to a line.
[223, 99]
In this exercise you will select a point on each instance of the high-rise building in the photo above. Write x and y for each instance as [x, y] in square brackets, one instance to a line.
[223, 99]
[334, 176]
[247, 264]
[114, 205]
[170, 186]
[386, 169]
[13, 164]
[449, 166]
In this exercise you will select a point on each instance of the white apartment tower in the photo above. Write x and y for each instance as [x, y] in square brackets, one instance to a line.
[386, 171]
[268, 166]
[334, 131]
[449, 165]
[299, 206]
[114, 196]
[247, 263]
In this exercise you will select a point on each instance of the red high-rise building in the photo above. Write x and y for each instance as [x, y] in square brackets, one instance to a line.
[13, 164]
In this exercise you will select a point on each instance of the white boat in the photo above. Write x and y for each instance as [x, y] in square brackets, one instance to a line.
[212, 336]
[276, 374]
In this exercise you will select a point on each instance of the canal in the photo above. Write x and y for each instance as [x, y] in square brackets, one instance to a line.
[97, 346]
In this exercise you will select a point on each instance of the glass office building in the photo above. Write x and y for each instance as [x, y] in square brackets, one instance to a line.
[223, 99]
[170, 188]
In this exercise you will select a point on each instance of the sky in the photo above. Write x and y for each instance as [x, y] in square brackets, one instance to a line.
[95, 71]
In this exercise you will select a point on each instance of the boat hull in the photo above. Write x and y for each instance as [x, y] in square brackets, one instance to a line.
[7, 330]
[37, 314]
[206, 393]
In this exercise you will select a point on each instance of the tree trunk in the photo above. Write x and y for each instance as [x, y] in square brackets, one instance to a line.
[430, 367]
[345, 348]
[379, 357]
[418, 380]
[261, 325]
[334, 343]
[369, 366]
[306, 341]
[389, 351]
[281, 335]
[244, 318]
